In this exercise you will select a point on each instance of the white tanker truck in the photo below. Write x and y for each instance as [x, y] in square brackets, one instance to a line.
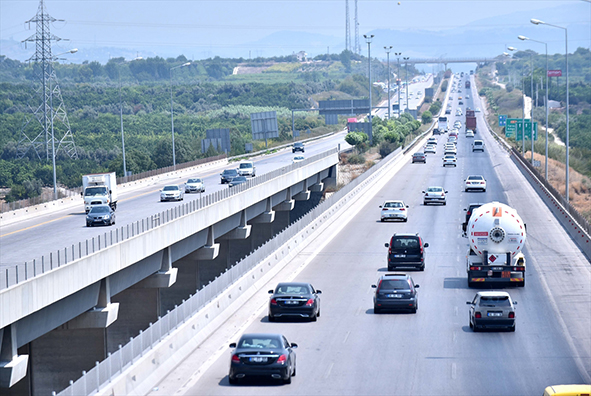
[496, 234]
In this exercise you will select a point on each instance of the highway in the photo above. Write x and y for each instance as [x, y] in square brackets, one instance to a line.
[413, 100]
[30, 239]
[352, 351]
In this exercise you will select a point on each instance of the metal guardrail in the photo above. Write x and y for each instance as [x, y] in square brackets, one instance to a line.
[13, 275]
[575, 214]
[116, 363]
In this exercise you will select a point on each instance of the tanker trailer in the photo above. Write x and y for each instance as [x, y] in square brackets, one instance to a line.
[496, 234]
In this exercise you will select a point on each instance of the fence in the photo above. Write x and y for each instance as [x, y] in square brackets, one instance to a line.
[62, 192]
[116, 363]
[21, 272]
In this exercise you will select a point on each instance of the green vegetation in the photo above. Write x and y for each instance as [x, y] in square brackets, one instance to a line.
[427, 117]
[206, 95]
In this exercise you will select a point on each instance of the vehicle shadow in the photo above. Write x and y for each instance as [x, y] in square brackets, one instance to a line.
[77, 214]
[265, 319]
[455, 283]
[267, 382]
[467, 329]
[370, 311]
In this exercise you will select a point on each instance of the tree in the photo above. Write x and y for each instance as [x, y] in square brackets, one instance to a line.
[345, 58]
[356, 138]
[427, 117]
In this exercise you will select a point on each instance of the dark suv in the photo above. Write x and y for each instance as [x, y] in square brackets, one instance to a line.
[297, 147]
[406, 250]
[395, 291]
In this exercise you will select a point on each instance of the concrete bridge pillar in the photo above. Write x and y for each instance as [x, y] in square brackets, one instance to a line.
[62, 354]
[13, 367]
[140, 304]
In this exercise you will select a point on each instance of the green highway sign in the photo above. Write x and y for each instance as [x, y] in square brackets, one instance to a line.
[514, 128]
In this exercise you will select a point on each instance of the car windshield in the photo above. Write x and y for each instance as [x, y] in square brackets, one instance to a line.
[252, 342]
[394, 284]
[292, 289]
[99, 209]
[171, 188]
[393, 205]
[93, 191]
[245, 166]
[435, 189]
[495, 301]
[194, 181]
[298, 144]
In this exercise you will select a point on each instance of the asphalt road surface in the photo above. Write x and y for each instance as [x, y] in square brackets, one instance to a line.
[352, 351]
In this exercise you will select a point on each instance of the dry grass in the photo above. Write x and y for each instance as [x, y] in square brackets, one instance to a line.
[580, 185]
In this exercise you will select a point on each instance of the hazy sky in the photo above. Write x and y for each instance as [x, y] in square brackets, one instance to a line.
[205, 25]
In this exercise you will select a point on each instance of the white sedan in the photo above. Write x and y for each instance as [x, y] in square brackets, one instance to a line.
[475, 182]
[450, 159]
[469, 133]
[394, 210]
[171, 193]
[194, 185]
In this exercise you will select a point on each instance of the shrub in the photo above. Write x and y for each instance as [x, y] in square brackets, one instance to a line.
[386, 148]
[427, 117]
[356, 159]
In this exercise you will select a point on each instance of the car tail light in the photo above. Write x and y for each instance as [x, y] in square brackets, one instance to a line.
[235, 359]
[384, 208]
[478, 315]
[282, 359]
[511, 315]
[421, 244]
[273, 301]
[475, 268]
[481, 182]
[309, 303]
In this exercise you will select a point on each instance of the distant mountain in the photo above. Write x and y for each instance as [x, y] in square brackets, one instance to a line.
[487, 37]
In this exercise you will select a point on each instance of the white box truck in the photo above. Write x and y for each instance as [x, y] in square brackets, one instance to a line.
[99, 189]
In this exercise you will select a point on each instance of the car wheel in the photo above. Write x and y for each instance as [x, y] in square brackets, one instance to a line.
[521, 284]
[376, 310]
[475, 329]
[314, 318]
[471, 284]
[382, 220]
[422, 267]
[471, 325]
[271, 318]
[405, 220]
[87, 225]
[512, 328]
[288, 380]
[445, 203]
[318, 313]
[232, 381]
[294, 371]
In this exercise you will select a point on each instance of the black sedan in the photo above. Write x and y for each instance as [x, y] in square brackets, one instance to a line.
[294, 299]
[228, 174]
[262, 355]
[100, 215]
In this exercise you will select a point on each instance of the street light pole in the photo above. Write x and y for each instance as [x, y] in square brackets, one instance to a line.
[522, 107]
[406, 78]
[538, 22]
[398, 81]
[388, 49]
[172, 114]
[368, 40]
[545, 100]
[121, 116]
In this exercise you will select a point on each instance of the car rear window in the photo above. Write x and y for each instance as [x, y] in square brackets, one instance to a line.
[495, 301]
[409, 242]
[292, 290]
[393, 205]
[394, 284]
[259, 343]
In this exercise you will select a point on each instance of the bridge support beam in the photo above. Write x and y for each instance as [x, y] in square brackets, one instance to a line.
[165, 277]
[99, 317]
[13, 367]
[211, 250]
[267, 216]
[333, 177]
